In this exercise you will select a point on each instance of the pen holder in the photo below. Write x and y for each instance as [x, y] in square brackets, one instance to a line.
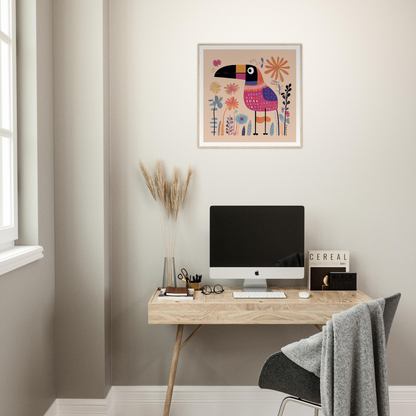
[195, 286]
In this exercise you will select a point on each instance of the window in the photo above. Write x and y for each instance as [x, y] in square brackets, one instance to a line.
[8, 146]
[11, 256]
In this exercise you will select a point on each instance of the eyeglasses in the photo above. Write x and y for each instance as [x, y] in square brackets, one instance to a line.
[207, 290]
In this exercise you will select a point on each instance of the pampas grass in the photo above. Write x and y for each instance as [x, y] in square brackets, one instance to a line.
[166, 199]
[148, 179]
[186, 183]
[174, 193]
[168, 209]
[160, 181]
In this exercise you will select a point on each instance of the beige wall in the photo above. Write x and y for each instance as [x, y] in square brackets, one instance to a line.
[355, 174]
[27, 295]
[82, 198]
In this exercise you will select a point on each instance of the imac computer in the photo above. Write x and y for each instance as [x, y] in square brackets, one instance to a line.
[256, 242]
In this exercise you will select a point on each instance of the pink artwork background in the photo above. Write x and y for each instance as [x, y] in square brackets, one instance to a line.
[234, 121]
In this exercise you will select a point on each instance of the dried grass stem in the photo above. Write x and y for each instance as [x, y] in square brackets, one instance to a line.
[170, 198]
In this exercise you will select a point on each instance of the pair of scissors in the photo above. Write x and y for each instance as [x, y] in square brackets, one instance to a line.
[184, 275]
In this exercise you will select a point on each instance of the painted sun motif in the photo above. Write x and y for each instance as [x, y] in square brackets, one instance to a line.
[276, 67]
[231, 88]
[231, 103]
[215, 87]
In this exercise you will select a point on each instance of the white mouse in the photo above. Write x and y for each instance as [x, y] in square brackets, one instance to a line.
[304, 295]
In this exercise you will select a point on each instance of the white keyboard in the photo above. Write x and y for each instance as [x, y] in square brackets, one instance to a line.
[259, 295]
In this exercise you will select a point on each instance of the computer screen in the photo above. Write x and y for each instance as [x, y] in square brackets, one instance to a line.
[256, 241]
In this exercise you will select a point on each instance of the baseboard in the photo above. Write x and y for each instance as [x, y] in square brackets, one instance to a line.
[402, 400]
[196, 400]
[205, 401]
[83, 407]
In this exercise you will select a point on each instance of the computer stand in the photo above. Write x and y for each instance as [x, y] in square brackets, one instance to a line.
[255, 285]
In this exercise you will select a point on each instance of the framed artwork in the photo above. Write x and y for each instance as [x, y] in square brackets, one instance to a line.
[249, 95]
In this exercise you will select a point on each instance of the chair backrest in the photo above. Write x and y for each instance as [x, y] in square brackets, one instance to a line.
[389, 312]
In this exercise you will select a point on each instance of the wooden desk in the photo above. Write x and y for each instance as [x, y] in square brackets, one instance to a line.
[220, 309]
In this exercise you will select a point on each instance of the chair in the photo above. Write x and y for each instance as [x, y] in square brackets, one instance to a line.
[281, 374]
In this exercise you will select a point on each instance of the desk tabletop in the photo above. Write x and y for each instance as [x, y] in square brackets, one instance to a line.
[218, 309]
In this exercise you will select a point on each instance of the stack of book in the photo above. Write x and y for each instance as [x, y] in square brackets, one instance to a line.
[176, 293]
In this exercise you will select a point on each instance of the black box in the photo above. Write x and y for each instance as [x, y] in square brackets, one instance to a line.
[342, 281]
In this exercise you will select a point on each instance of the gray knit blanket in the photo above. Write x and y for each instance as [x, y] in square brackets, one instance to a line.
[349, 356]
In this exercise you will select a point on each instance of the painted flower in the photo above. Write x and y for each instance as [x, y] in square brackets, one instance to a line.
[276, 67]
[231, 88]
[287, 114]
[217, 62]
[215, 87]
[241, 119]
[231, 103]
[216, 102]
[283, 109]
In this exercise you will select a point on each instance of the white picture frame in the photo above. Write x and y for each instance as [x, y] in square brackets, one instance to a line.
[234, 110]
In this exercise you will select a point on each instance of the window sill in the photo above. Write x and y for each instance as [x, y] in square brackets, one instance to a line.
[18, 256]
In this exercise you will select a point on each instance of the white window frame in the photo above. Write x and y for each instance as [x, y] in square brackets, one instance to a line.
[12, 256]
[9, 233]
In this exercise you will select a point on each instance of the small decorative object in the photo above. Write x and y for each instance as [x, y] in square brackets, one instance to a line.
[170, 198]
[321, 263]
[249, 95]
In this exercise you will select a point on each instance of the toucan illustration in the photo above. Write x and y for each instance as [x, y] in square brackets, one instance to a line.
[257, 95]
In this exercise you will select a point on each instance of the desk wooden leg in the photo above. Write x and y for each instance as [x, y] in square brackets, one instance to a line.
[173, 368]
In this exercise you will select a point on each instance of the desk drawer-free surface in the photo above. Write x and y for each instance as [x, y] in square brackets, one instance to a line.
[224, 309]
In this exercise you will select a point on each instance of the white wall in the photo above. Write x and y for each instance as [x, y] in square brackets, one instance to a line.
[355, 174]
